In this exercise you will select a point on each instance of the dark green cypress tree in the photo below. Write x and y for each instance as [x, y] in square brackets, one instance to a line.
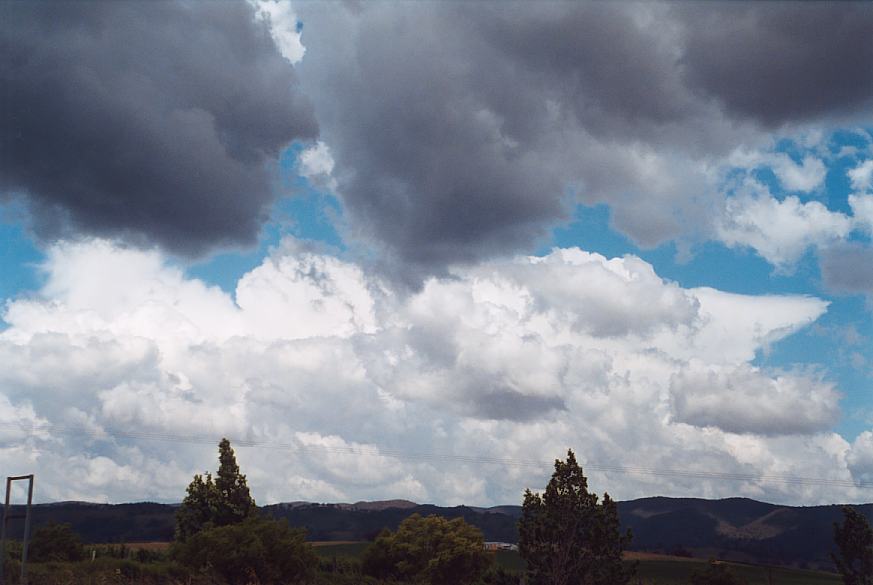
[235, 503]
[567, 538]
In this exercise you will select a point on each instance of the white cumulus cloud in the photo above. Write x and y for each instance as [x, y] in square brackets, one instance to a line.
[862, 210]
[780, 230]
[284, 26]
[861, 176]
[743, 399]
[126, 369]
[805, 176]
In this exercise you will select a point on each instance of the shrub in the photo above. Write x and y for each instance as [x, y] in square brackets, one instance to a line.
[430, 550]
[55, 542]
[268, 551]
[500, 576]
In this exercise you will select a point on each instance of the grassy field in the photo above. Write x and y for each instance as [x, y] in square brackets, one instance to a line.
[651, 569]
[150, 546]
[678, 571]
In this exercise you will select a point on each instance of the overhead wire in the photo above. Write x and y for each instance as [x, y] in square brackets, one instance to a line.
[376, 451]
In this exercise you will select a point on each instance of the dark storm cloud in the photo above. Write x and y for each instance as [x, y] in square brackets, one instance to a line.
[452, 143]
[151, 120]
[781, 62]
[462, 131]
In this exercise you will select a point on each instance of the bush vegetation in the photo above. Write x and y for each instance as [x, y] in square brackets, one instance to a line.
[55, 542]
[256, 550]
[430, 550]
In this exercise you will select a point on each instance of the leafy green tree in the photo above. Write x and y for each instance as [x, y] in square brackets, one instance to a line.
[55, 542]
[197, 510]
[428, 550]
[500, 576]
[854, 540]
[715, 574]
[567, 538]
[256, 550]
[220, 502]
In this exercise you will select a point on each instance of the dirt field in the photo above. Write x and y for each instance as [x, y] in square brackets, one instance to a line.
[644, 556]
[156, 546]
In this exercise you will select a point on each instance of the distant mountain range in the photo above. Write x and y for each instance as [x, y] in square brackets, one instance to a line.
[734, 529]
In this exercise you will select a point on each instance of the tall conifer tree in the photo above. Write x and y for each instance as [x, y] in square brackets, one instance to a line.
[235, 503]
[567, 538]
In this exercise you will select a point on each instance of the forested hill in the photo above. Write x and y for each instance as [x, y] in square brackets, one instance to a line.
[736, 528]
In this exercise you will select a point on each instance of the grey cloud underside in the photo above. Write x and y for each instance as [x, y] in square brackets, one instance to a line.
[745, 401]
[507, 404]
[781, 62]
[462, 131]
[153, 121]
[848, 269]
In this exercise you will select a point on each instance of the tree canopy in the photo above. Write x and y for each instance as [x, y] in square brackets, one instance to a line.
[854, 540]
[223, 501]
[428, 550]
[567, 537]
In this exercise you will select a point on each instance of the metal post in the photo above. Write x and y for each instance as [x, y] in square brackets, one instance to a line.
[7, 517]
[3, 532]
[26, 540]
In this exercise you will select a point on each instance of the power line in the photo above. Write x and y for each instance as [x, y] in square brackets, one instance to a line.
[438, 457]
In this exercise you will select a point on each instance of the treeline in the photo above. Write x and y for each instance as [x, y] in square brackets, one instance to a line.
[150, 522]
[799, 537]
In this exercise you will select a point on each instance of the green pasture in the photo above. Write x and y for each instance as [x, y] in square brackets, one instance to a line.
[650, 572]
[679, 572]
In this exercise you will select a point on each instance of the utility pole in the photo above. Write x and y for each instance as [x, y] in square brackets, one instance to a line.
[7, 516]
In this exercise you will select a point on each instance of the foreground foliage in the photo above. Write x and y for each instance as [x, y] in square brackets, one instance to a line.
[343, 568]
[104, 570]
[256, 550]
[854, 540]
[567, 538]
[55, 542]
[428, 550]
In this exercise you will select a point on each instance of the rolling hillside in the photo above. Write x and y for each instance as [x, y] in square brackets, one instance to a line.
[733, 529]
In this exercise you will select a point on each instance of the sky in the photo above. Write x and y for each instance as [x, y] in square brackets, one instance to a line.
[419, 250]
